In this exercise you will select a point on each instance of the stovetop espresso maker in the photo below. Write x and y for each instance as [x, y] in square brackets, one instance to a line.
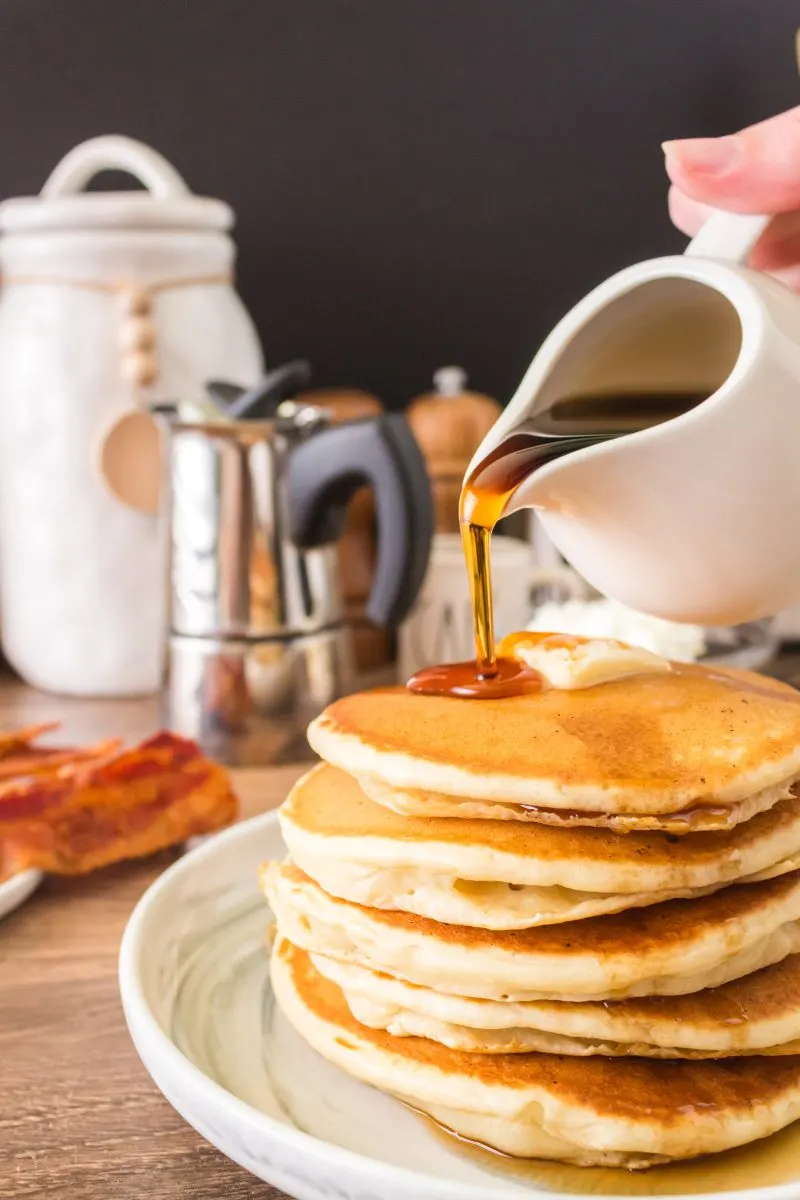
[258, 644]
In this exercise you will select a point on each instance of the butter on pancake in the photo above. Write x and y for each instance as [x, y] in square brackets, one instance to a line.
[511, 875]
[759, 1014]
[622, 1112]
[656, 743]
[567, 661]
[670, 949]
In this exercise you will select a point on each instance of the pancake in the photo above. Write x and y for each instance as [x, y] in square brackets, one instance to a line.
[628, 1112]
[759, 1014]
[512, 875]
[650, 744]
[668, 949]
[701, 818]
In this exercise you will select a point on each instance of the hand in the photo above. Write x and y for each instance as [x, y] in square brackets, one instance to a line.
[755, 171]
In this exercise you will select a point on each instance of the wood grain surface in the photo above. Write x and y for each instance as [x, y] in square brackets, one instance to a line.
[79, 1116]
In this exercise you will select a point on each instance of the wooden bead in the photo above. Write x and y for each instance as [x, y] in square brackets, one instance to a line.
[137, 333]
[140, 368]
[136, 302]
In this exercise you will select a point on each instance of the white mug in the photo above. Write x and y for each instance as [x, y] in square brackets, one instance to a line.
[440, 627]
[697, 519]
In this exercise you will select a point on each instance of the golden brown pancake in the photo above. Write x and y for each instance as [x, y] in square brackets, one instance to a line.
[669, 949]
[759, 1014]
[513, 875]
[589, 1110]
[327, 813]
[700, 818]
[650, 744]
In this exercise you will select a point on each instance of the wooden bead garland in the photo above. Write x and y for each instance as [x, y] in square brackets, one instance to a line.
[137, 332]
[137, 337]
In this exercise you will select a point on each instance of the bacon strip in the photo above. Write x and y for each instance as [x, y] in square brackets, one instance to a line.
[43, 760]
[102, 805]
[20, 739]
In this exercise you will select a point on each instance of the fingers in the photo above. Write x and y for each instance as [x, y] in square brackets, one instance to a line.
[756, 170]
[789, 277]
[778, 249]
[686, 214]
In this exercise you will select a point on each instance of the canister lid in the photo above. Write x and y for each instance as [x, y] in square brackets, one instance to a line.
[167, 202]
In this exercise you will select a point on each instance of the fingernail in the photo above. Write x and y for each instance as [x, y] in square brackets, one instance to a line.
[709, 156]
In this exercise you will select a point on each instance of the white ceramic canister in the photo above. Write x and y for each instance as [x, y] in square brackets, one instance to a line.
[110, 301]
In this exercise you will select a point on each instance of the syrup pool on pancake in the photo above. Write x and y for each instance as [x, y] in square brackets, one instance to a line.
[530, 661]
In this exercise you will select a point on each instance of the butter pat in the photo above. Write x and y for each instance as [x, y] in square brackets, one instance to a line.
[568, 662]
[604, 618]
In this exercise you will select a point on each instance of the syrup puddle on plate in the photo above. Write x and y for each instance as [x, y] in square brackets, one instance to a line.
[767, 1163]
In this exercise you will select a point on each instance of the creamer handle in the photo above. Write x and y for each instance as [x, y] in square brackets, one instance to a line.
[727, 235]
[114, 153]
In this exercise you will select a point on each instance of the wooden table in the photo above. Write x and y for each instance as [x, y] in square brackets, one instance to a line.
[79, 1116]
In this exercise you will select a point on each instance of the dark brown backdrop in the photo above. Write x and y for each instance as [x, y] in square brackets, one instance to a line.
[417, 181]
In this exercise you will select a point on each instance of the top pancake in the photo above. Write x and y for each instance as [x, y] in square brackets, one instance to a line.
[653, 743]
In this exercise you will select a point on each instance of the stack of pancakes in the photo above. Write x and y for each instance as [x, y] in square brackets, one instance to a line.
[565, 925]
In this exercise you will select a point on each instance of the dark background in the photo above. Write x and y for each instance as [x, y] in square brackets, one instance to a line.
[417, 181]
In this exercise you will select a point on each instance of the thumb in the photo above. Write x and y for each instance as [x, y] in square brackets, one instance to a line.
[757, 170]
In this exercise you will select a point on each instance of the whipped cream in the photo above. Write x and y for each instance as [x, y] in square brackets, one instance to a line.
[568, 662]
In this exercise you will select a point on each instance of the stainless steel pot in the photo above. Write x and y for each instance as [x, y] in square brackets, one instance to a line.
[257, 640]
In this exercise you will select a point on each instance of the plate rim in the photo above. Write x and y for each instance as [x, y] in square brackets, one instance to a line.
[19, 887]
[371, 1171]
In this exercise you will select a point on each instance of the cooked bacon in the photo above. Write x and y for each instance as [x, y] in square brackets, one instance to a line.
[20, 739]
[44, 760]
[101, 807]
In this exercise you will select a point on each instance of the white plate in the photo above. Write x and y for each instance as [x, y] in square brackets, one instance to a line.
[15, 891]
[195, 988]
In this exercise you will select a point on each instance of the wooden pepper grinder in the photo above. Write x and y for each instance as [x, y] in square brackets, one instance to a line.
[449, 424]
[357, 545]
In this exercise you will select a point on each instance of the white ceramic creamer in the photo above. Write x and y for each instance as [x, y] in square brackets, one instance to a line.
[696, 519]
[110, 301]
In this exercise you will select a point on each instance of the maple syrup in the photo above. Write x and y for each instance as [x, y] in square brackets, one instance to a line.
[569, 425]
[765, 1163]
[705, 818]
[508, 678]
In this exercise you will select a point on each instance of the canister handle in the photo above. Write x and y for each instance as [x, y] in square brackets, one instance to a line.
[114, 153]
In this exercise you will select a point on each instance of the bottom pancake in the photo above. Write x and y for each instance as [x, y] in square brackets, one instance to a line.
[759, 1014]
[597, 1111]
